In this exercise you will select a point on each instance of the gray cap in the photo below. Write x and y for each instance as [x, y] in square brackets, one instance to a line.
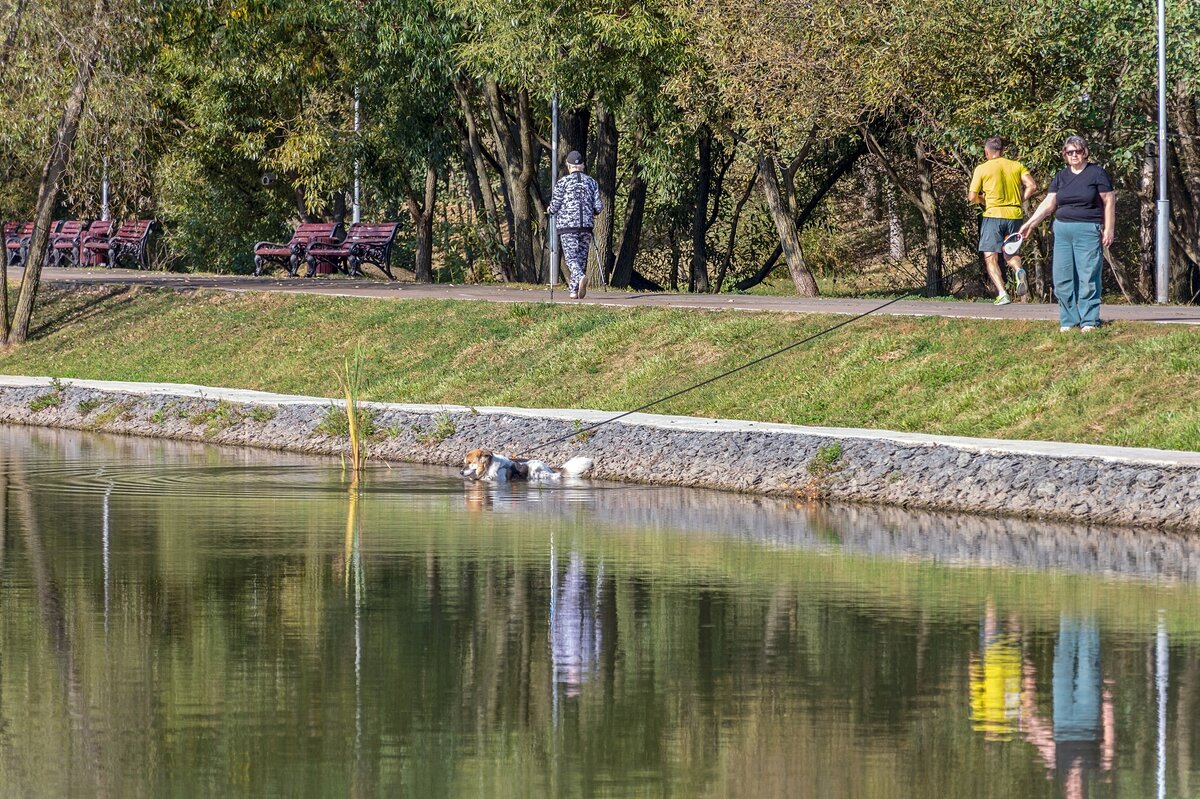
[574, 158]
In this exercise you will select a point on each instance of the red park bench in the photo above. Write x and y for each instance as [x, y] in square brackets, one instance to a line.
[64, 244]
[16, 241]
[132, 240]
[367, 242]
[289, 255]
[93, 243]
[99, 245]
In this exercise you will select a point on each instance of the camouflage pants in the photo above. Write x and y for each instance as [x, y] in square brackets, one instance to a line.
[575, 252]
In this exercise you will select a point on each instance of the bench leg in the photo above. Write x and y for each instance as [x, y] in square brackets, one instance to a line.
[258, 265]
[293, 264]
[312, 266]
[355, 266]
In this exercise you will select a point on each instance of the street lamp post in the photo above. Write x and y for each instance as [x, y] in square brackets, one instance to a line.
[553, 183]
[1163, 227]
[356, 215]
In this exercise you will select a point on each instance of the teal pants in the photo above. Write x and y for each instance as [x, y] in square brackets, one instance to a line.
[1078, 264]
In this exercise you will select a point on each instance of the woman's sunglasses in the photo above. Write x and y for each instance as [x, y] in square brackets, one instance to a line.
[1074, 152]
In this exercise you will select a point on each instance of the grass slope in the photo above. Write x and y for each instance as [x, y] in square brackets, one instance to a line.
[1128, 384]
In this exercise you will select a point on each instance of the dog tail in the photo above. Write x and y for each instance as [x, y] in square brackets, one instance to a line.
[578, 466]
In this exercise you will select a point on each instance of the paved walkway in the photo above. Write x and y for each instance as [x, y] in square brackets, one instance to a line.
[341, 287]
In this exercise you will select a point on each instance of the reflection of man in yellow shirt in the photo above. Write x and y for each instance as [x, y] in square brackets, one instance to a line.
[1000, 185]
[995, 677]
[996, 689]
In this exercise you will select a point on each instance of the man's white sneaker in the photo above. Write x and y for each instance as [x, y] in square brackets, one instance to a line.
[1003, 299]
[1065, 329]
[581, 289]
[1022, 283]
[573, 296]
[1087, 328]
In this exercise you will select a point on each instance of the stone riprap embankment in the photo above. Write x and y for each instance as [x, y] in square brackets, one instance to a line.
[1101, 485]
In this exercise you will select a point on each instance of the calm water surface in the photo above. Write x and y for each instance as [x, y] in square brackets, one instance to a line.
[180, 620]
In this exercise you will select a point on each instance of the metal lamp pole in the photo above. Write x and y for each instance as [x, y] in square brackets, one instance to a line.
[104, 191]
[553, 183]
[356, 215]
[1163, 227]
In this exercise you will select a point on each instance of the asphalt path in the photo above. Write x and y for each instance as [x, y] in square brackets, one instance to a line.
[399, 290]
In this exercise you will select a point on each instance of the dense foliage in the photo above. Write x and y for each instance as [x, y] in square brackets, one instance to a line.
[729, 138]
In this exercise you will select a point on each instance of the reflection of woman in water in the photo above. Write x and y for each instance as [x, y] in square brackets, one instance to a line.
[1082, 737]
[574, 630]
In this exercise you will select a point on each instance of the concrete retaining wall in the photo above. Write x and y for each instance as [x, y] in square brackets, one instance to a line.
[1102, 485]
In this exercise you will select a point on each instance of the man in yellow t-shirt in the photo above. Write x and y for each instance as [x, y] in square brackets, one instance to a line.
[1000, 185]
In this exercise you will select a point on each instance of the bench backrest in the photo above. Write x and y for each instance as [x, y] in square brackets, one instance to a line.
[69, 230]
[310, 232]
[19, 238]
[372, 232]
[101, 229]
[134, 230]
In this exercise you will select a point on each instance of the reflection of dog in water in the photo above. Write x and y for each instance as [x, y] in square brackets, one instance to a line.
[492, 467]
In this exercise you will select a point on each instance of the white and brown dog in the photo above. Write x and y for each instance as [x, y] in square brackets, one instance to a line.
[492, 467]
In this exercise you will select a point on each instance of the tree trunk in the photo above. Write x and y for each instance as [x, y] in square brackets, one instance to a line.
[631, 233]
[931, 216]
[698, 280]
[733, 226]
[56, 164]
[897, 246]
[924, 200]
[785, 225]
[516, 145]
[421, 209]
[1184, 185]
[482, 196]
[573, 127]
[10, 40]
[831, 179]
[606, 177]
[1147, 252]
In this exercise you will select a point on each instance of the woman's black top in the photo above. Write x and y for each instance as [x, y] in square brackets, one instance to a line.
[1078, 196]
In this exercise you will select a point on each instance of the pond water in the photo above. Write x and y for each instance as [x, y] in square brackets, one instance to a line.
[182, 620]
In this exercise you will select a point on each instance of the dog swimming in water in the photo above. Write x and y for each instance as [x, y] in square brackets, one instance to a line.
[492, 467]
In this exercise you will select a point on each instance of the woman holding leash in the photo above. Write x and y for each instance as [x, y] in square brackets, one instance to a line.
[1084, 205]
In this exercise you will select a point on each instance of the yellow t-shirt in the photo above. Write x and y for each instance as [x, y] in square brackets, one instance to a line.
[999, 181]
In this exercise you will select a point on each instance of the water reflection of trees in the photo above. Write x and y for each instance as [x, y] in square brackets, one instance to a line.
[242, 639]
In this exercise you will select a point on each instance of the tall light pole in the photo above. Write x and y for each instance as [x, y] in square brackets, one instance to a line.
[104, 191]
[553, 183]
[1163, 231]
[356, 215]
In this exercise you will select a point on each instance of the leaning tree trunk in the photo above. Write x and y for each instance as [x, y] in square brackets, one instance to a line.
[631, 233]
[605, 173]
[56, 164]
[785, 225]
[421, 210]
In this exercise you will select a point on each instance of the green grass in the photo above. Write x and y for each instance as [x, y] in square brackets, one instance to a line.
[1128, 384]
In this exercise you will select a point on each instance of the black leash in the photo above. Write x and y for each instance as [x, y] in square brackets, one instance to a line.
[590, 427]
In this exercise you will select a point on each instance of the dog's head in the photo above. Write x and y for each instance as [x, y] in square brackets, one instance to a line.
[476, 463]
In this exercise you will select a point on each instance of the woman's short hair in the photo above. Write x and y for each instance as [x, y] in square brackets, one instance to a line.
[1075, 141]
